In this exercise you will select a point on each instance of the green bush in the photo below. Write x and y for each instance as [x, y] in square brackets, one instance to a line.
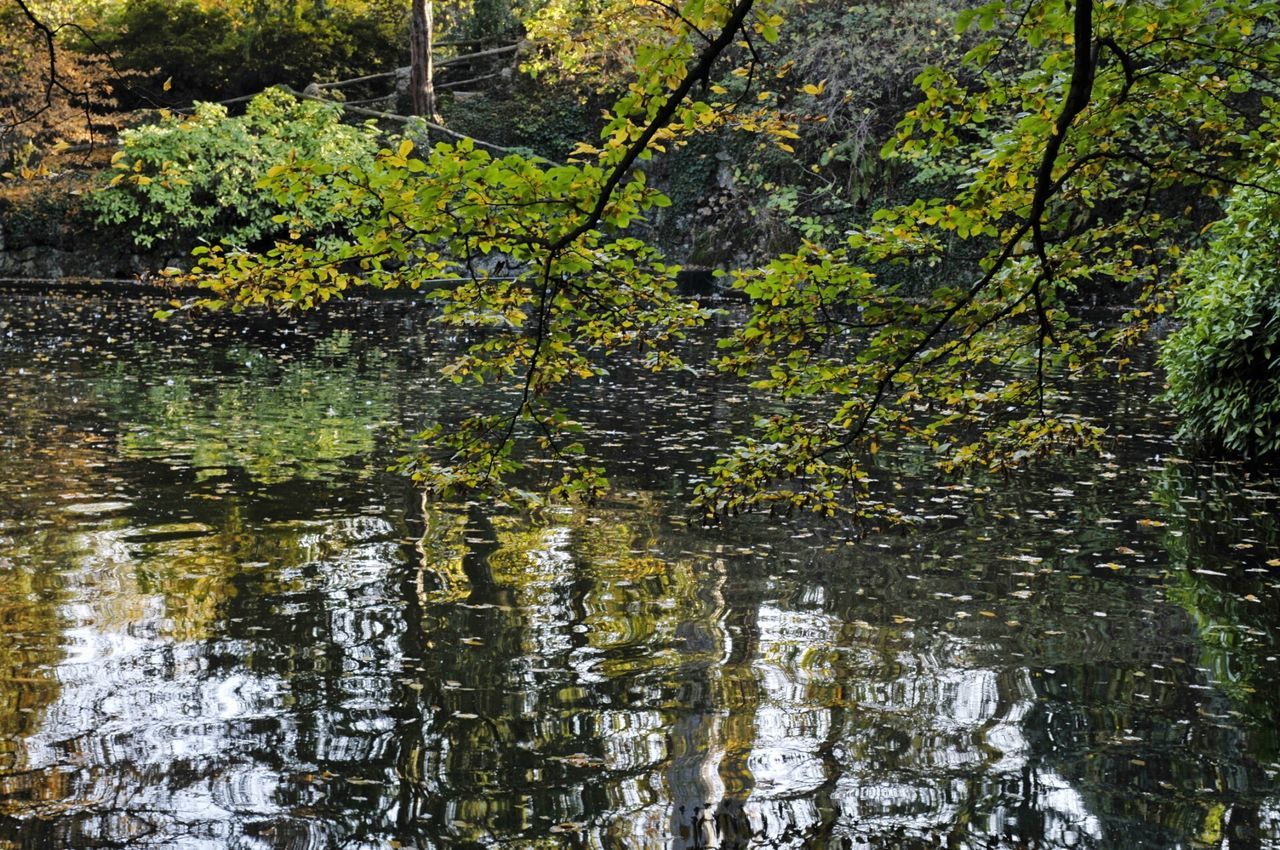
[219, 51]
[189, 178]
[1223, 363]
[194, 48]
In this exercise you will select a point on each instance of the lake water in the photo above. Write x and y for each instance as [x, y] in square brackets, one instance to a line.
[224, 624]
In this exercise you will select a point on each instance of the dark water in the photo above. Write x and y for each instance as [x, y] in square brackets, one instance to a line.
[224, 625]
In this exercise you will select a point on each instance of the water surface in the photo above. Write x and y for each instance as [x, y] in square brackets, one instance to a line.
[223, 624]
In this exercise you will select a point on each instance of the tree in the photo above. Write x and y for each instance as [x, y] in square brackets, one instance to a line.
[1077, 131]
[211, 51]
[422, 72]
[595, 43]
[1085, 143]
[47, 97]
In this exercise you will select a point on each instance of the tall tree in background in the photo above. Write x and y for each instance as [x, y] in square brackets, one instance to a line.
[421, 60]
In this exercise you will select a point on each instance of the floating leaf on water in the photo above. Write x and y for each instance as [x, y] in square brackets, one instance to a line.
[569, 826]
[580, 760]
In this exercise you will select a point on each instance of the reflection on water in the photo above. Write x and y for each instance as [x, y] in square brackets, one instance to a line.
[224, 625]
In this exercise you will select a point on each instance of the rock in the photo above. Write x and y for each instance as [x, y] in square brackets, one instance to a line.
[724, 172]
[403, 78]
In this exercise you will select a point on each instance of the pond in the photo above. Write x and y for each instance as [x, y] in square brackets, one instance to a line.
[225, 624]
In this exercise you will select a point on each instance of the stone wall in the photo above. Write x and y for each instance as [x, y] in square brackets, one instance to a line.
[45, 233]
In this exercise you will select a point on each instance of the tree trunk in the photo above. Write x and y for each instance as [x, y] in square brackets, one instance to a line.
[421, 82]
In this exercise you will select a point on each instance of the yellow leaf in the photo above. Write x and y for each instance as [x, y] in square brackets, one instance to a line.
[406, 147]
[168, 84]
[810, 88]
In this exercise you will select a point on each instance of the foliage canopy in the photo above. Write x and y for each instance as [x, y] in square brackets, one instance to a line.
[207, 50]
[1084, 143]
[48, 97]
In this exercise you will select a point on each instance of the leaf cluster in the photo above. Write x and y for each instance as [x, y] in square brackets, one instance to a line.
[1223, 363]
[197, 176]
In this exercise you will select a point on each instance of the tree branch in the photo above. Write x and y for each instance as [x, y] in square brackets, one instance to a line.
[661, 118]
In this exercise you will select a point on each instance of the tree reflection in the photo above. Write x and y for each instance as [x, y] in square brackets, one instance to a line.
[292, 649]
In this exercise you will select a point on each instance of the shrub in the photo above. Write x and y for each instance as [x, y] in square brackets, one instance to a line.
[212, 51]
[197, 177]
[195, 48]
[1223, 363]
